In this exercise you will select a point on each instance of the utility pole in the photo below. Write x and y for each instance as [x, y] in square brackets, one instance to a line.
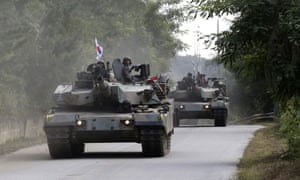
[218, 54]
[197, 51]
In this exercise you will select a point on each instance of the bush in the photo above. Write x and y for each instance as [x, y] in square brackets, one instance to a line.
[290, 125]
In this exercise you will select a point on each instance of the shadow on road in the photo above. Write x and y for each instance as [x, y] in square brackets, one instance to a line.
[116, 155]
[194, 126]
[86, 155]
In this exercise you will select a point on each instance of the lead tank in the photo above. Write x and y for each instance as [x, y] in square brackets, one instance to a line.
[200, 98]
[98, 107]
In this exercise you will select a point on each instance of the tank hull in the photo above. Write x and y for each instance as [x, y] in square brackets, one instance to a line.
[201, 110]
[103, 127]
[71, 128]
[200, 100]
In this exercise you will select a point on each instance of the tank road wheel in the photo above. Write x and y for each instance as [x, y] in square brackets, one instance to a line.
[155, 142]
[175, 120]
[60, 150]
[220, 117]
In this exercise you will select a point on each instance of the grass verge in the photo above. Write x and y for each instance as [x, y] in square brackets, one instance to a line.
[20, 143]
[263, 158]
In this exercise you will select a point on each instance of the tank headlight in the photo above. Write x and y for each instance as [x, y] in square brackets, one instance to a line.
[80, 123]
[128, 122]
[207, 106]
[49, 117]
[181, 106]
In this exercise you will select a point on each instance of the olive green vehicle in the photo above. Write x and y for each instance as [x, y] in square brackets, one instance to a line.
[98, 109]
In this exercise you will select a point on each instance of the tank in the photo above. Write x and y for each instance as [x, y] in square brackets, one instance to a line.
[200, 98]
[98, 107]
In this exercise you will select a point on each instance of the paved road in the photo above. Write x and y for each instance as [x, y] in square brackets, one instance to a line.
[197, 153]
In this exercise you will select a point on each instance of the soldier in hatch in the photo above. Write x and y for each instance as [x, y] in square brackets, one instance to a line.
[126, 70]
[188, 80]
[99, 72]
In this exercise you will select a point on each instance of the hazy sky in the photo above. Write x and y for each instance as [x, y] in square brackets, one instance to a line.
[205, 27]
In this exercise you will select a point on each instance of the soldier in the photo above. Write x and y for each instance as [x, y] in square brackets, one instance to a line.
[201, 80]
[188, 80]
[126, 70]
[99, 72]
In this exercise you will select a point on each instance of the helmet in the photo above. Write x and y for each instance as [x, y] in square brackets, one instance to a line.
[100, 63]
[126, 61]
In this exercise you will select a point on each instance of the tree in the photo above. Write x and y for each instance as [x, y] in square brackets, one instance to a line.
[262, 44]
[44, 43]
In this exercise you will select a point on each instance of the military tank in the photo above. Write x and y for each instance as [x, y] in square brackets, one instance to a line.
[198, 98]
[99, 107]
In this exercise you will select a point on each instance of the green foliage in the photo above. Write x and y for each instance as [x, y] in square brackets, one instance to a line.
[290, 125]
[44, 43]
[262, 45]
[162, 27]
[262, 41]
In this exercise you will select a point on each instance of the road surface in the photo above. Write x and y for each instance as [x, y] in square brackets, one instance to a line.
[208, 153]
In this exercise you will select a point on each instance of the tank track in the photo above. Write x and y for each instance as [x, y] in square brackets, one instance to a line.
[155, 142]
[176, 122]
[220, 116]
[64, 147]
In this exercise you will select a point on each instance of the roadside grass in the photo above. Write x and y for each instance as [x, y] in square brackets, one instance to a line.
[264, 158]
[16, 144]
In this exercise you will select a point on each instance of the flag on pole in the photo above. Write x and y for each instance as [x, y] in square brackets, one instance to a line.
[99, 49]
